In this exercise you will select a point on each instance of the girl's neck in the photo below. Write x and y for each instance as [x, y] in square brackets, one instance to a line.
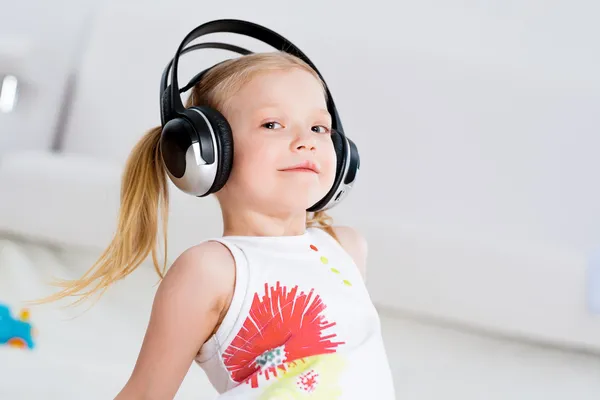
[251, 223]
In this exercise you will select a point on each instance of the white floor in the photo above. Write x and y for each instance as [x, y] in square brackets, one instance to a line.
[90, 357]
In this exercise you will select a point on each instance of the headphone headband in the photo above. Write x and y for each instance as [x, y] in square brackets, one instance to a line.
[167, 114]
[243, 28]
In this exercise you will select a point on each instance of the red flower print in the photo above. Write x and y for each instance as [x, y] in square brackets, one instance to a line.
[282, 326]
[308, 381]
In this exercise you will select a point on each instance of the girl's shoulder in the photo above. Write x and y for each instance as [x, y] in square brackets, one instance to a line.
[203, 275]
[210, 259]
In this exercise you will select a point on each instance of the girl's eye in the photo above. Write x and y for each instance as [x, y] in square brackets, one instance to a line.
[323, 129]
[271, 125]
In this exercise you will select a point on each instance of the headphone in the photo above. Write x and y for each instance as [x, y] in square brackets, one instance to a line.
[196, 143]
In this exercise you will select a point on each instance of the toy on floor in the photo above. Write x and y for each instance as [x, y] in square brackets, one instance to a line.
[16, 332]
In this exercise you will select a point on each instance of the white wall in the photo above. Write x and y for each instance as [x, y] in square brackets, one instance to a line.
[39, 43]
[478, 129]
[492, 207]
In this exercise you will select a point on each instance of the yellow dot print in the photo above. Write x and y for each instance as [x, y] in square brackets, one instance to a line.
[335, 270]
[347, 282]
[324, 260]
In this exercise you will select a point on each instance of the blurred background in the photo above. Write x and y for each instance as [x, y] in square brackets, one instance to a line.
[478, 124]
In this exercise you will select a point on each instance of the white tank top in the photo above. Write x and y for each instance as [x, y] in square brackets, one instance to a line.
[301, 325]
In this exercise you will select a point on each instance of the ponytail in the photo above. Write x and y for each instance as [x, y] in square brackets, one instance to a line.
[144, 191]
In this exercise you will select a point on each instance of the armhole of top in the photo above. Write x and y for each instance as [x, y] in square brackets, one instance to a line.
[240, 289]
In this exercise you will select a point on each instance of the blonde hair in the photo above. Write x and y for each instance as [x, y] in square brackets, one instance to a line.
[144, 187]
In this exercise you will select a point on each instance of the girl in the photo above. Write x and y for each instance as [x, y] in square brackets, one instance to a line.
[275, 308]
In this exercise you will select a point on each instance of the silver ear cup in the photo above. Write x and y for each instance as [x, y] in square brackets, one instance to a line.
[198, 175]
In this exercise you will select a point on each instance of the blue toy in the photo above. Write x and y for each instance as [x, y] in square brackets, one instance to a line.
[16, 332]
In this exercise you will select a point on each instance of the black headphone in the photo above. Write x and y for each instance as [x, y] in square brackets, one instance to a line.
[196, 143]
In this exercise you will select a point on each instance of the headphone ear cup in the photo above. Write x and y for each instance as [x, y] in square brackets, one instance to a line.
[176, 139]
[224, 139]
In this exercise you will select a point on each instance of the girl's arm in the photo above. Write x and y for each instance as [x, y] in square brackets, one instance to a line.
[189, 304]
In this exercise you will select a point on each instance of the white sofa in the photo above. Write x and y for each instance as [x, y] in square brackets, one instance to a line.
[450, 240]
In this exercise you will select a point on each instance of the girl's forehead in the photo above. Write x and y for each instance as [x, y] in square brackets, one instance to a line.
[275, 89]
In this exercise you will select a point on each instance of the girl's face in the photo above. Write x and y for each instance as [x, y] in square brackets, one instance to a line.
[284, 160]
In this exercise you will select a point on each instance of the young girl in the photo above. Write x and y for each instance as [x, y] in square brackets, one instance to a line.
[276, 308]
